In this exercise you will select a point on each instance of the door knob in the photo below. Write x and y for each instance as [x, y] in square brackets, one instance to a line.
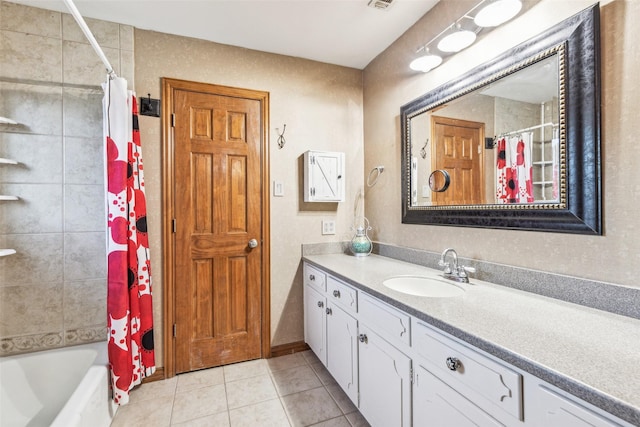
[253, 243]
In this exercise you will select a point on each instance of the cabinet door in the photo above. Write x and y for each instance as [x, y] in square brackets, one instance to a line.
[315, 322]
[324, 176]
[438, 405]
[385, 381]
[342, 350]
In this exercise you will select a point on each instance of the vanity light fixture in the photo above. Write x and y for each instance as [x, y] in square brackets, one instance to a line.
[484, 15]
[426, 63]
[497, 12]
[456, 40]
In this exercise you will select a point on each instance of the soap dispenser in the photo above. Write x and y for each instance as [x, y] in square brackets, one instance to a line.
[361, 243]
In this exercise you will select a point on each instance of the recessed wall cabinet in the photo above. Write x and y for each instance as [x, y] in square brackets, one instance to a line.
[405, 372]
[323, 176]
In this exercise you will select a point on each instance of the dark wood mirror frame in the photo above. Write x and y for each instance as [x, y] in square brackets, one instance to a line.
[580, 210]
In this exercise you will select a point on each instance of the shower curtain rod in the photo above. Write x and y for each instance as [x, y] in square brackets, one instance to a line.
[89, 35]
[513, 132]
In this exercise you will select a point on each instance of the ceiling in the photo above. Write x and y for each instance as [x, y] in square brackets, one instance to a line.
[342, 32]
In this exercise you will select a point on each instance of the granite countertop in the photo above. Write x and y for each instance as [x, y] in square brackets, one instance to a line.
[592, 354]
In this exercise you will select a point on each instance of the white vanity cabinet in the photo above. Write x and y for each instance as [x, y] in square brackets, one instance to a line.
[454, 380]
[342, 349]
[330, 329]
[435, 403]
[385, 381]
[402, 371]
[551, 407]
[315, 318]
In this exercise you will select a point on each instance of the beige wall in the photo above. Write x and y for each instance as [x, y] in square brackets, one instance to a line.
[389, 83]
[322, 107]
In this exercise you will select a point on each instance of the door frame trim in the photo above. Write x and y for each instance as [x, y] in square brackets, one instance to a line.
[168, 184]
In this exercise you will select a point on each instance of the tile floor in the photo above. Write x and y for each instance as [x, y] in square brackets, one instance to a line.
[292, 390]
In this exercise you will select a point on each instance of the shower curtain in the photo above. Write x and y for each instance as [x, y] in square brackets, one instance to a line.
[129, 306]
[513, 177]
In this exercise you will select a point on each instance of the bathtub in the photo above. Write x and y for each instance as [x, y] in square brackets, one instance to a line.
[63, 387]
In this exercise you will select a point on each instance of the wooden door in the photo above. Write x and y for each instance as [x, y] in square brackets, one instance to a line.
[218, 229]
[458, 149]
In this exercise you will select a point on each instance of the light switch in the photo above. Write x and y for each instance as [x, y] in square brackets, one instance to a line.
[278, 189]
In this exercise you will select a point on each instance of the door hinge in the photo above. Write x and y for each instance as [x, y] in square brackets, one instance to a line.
[410, 373]
[174, 330]
[173, 120]
[174, 226]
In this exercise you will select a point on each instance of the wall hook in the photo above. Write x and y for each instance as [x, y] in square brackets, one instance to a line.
[281, 140]
[423, 152]
[149, 106]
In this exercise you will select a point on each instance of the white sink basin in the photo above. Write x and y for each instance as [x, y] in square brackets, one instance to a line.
[424, 286]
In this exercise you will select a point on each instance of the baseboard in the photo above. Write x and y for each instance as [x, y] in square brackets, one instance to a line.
[158, 375]
[284, 349]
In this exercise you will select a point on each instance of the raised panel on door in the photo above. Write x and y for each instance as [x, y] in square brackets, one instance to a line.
[435, 404]
[315, 331]
[342, 350]
[384, 381]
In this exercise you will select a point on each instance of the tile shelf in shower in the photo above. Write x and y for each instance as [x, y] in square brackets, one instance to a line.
[7, 252]
[6, 121]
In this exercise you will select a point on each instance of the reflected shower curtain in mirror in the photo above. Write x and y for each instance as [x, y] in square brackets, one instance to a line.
[513, 174]
[129, 305]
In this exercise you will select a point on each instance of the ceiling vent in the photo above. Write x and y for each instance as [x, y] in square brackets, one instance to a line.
[381, 4]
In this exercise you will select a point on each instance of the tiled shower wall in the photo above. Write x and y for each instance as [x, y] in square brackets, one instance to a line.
[53, 290]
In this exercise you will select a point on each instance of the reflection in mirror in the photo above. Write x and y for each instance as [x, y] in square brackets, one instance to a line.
[518, 135]
[499, 144]
[439, 181]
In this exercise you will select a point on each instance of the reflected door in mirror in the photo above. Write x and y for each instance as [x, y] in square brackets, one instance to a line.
[458, 150]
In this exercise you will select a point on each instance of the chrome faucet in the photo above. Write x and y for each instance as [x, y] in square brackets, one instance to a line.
[454, 271]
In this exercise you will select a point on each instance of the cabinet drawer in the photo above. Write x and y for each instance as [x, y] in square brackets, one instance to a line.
[388, 322]
[485, 382]
[342, 294]
[554, 410]
[314, 277]
[437, 404]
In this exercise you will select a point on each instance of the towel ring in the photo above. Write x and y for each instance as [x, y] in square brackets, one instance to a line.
[379, 170]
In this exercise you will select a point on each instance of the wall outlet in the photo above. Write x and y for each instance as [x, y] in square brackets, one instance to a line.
[328, 226]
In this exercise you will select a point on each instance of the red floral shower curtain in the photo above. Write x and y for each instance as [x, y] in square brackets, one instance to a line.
[513, 175]
[129, 305]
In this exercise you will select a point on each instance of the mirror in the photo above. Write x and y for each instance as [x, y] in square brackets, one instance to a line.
[517, 139]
